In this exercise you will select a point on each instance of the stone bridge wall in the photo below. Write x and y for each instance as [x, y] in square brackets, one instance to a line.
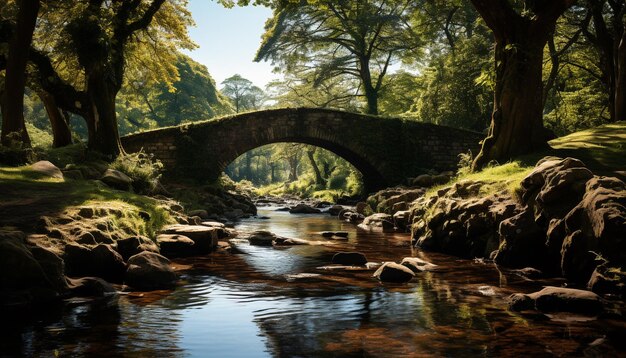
[385, 150]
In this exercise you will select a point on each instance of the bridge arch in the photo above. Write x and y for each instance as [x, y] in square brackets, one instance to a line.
[385, 150]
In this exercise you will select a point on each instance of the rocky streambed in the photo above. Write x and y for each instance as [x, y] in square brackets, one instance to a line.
[344, 274]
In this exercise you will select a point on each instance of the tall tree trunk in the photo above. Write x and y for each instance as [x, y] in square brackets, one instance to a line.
[15, 78]
[105, 137]
[293, 168]
[620, 80]
[517, 119]
[371, 94]
[319, 179]
[248, 173]
[59, 120]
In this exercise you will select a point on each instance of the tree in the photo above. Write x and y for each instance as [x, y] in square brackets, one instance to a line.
[359, 39]
[520, 35]
[13, 126]
[192, 97]
[608, 36]
[83, 51]
[298, 89]
[243, 93]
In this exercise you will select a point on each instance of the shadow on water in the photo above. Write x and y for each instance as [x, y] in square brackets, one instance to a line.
[249, 304]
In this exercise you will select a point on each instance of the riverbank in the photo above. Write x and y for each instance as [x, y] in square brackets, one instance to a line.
[557, 217]
[91, 230]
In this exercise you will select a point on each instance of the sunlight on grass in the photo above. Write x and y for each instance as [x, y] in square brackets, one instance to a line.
[21, 185]
[603, 146]
[506, 176]
[25, 174]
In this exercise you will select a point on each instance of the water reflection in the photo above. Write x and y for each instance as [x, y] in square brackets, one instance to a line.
[248, 305]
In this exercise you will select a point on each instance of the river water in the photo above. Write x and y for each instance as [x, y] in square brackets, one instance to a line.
[283, 302]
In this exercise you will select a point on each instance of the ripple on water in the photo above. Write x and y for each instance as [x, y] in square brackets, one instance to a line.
[258, 303]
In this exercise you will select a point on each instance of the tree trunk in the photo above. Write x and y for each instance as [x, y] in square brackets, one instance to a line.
[59, 121]
[517, 120]
[15, 78]
[102, 124]
[248, 173]
[371, 95]
[293, 168]
[319, 180]
[620, 80]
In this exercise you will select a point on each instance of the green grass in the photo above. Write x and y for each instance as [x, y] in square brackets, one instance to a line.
[27, 195]
[602, 149]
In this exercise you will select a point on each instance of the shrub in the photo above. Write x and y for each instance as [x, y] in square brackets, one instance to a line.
[465, 163]
[142, 168]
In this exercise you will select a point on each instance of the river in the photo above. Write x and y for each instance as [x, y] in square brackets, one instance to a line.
[282, 302]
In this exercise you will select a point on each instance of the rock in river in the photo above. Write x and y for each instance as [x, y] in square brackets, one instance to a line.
[558, 299]
[349, 258]
[304, 209]
[393, 272]
[149, 271]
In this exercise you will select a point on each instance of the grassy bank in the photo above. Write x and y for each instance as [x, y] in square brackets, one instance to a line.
[27, 195]
[602, 149]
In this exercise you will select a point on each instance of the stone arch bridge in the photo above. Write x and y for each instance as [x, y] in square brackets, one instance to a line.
[386, 151]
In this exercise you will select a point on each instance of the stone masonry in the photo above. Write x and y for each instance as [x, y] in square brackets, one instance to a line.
[387, 151]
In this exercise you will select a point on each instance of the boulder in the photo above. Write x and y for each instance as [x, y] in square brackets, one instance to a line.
[529, 272]
[597, 224]
[133, 245]
[74, 174]
[335, 210]
[349, 258]
[22, 278]
[330, 234]
[416, 264]
[558, 299]
[362, 208]
[377, 222]
[116, 179]
[90, 287]
[52, 265]
[522, 243]
[204, 237]
[608, 280]
[393, 272]
[401, 219]
[304, 209]
[203, 214]
[350, 216]
[173, 245]
[261, 238]
[285, 241]
[101, 261]
[48, 169]
[149, 271]
[424, 180]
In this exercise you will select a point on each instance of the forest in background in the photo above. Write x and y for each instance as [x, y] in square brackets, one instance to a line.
[429, 61]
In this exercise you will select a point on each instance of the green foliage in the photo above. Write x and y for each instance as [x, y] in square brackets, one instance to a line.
[192, 97]
[243, 94]
[39, 138]
[323, 40]
[283, 168]
[465, 164]
[142, 168]
[453, 90]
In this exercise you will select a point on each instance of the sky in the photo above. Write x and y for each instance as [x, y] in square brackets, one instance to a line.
[228, 40]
